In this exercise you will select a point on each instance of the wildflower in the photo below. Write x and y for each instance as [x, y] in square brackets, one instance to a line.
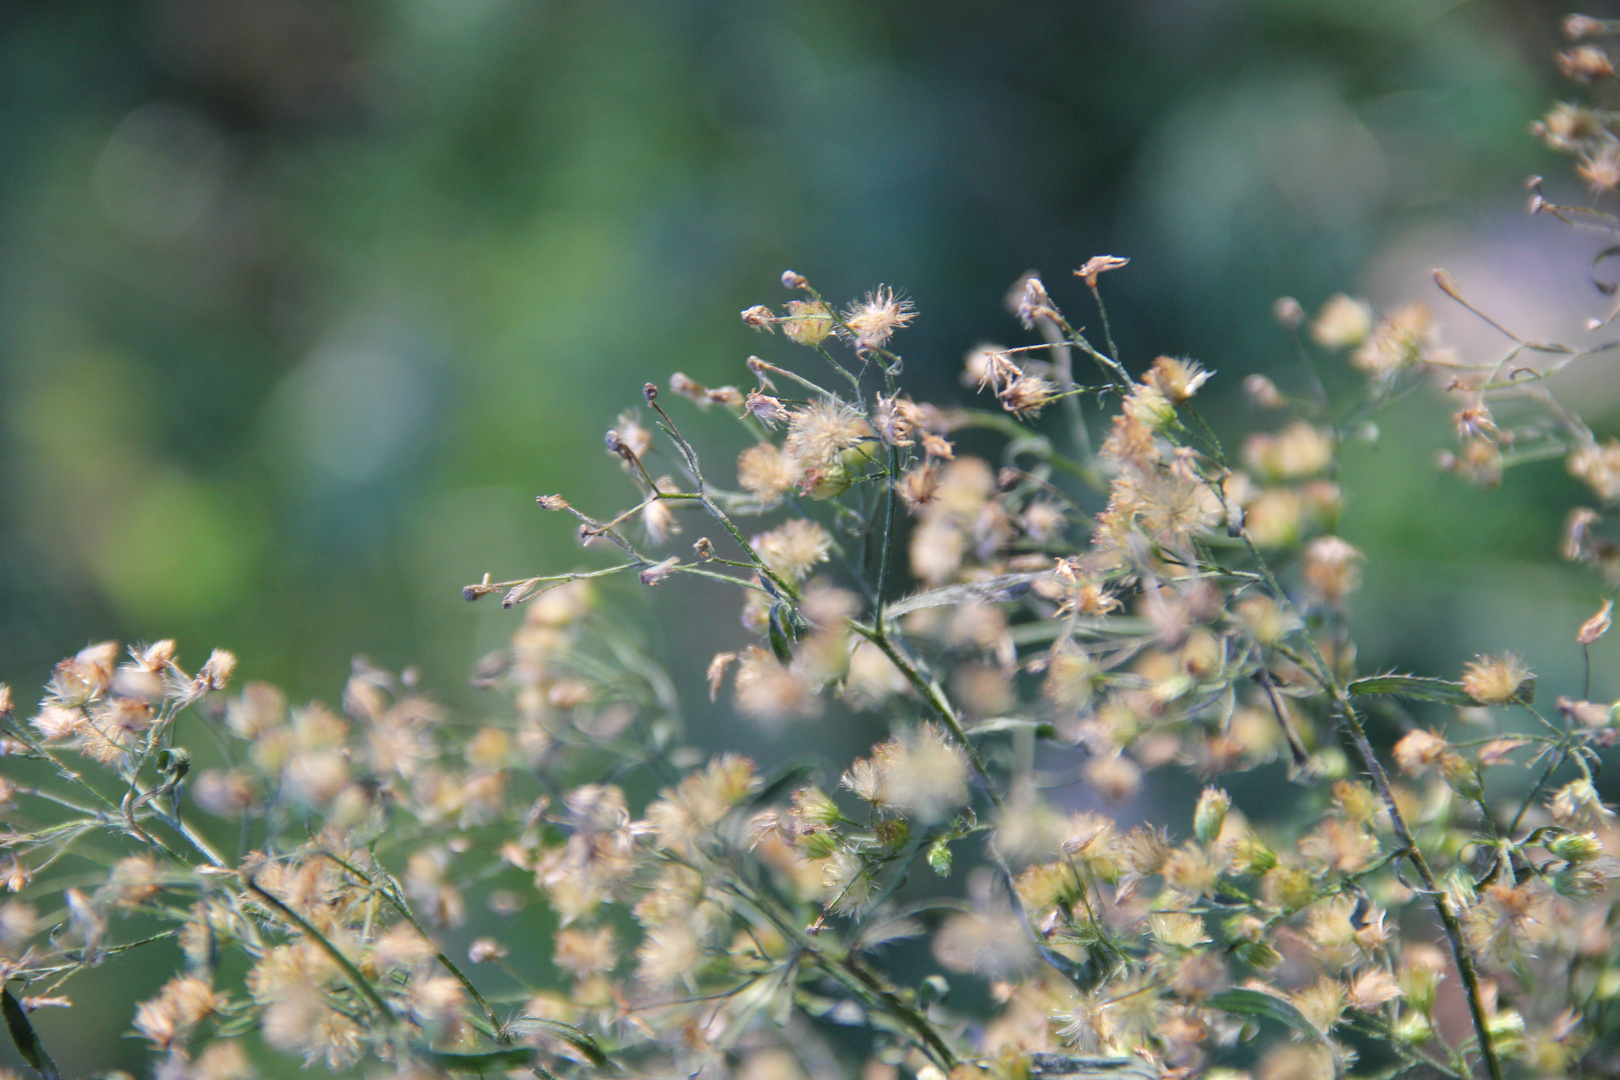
[485, 949]
[916, 488]
[769, 692]
[1599, 466]
[1497, 680]
[794, 547]
[927, 775]
[658, 571]
[989, 942]
[766, 409]
[628, 438]
[872, 322]
[689, 388]
[1578, 806]
[937, 547]
[871, 678]
[760, 318]
[1099, 264]
[1210, 814]
[766, 472]
[1418, 751]
[989, 366]
[820, 431]
[1294, 453]
[1371, 989]
[1585, 63]
[1601, 168]
[1177, 380]
[1190, 871]
[807, 322]
[1026, 395]
[658, 521]
[1595, 627]
[1147, 405]
[584, 953]
[1341, 322]
[1115, 777]
[896, 419]
[1404, 337]
[1332, 567]
[1263, 392]
[847, 883]
[1030, 301]
[1071, 677]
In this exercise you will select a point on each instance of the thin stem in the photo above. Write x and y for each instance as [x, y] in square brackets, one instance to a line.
[934, 696]
[352, 973]
[1441, 901]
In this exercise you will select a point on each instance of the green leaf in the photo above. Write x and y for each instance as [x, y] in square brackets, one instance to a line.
[1267, 1006]
[1068, 1067]
[1041, 728]
[788, 778]
[779, 636]
[514, 1058]
[26, 1038]
[568, 1033]
[1415, 688]
[939, 857]
[995, 590]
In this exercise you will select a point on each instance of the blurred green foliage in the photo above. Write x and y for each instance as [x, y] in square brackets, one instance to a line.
[304, 301]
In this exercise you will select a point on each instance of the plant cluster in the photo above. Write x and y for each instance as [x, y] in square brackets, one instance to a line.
[1070, 578]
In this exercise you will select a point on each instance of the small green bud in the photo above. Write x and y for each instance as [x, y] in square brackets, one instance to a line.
[892, 833]
[1414, 1029]
[939, 857]
[820, 844]
[1259, 955]
[1251, 856]
[1576, 847]
[1210, 815]
[1461, 775]
[812, 805]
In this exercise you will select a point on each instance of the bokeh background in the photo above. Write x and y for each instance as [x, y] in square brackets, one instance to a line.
[302, 301]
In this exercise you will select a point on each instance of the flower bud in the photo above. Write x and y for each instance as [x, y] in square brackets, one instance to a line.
[760, 318]
[1211, 814]
[792, 279]
[811, 804]
[1461, 775]
[1576, 847]
[1251, 856]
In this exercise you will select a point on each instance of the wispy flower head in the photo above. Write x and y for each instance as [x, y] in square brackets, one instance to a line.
[870, 323]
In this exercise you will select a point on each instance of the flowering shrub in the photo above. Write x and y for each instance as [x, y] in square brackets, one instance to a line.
[1116, 588]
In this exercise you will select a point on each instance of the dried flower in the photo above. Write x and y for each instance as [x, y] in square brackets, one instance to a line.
[872, 322]
[1497, 680]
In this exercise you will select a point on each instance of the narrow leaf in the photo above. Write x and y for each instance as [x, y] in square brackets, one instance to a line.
[514, 1058]
[996, 589]
[1415, 688]
[1268, 1006]
[788, 778]
[26, 1038]
[1041, 728]
[568, 1033]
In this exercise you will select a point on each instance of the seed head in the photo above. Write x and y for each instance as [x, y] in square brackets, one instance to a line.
[872, 322]
[1585, 63]
[1099, 264]
[1341, 322]
[807, 322]
[1495, 680]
